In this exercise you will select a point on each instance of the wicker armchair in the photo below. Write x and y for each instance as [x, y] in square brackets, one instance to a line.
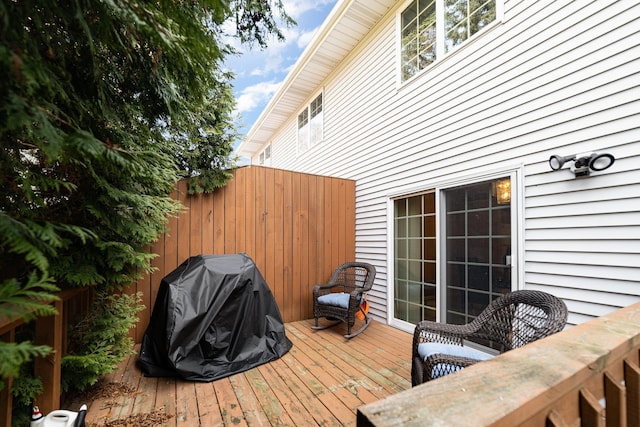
[511, 321]
[340, 299]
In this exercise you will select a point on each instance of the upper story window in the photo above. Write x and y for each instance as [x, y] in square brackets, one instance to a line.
[265, 156]
[310, 125]
[432, 28]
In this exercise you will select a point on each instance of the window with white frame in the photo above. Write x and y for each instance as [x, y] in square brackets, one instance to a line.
[265, 156]
[310, 125]
[432, 28]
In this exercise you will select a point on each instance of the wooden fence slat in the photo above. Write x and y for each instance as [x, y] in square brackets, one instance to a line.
[616, 404]
[288, 237]
[207, 223]
[590, 410]
[293, 307]
[300, 294]
[279, 239]
[219, 213]
[242, 234]
[555, 420]
[184, 223]
[632, 384]
[313, 236]
[49, 332]
[196, 215]
[6, 400]
[268, 270]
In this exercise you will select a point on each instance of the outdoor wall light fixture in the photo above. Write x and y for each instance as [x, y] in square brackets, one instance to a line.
[583, 164]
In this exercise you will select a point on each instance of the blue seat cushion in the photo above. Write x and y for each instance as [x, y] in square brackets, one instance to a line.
[337, 299]
[427, 349]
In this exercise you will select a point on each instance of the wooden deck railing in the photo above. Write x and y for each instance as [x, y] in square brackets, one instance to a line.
[51, 331]
[587, 375]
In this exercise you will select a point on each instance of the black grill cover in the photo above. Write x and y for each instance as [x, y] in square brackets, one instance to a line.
[214, 316]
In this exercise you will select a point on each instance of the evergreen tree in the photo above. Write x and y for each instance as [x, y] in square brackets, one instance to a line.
[104, 105]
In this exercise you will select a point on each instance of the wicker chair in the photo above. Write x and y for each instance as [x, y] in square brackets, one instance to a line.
[510, 321]
[340, 299]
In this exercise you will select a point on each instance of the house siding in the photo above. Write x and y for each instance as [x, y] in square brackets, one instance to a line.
[551, 78]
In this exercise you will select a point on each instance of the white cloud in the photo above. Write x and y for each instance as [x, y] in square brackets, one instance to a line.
[296, 8]
[253, 96]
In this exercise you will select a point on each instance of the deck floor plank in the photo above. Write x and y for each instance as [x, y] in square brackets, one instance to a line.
[132, 377]
[166, 398]
[359, 359]
[304, 393]
[208, 408]
[356, 375]
[230, 409]
[267, 396]
[283, 392]
[250, 405]
[334, 380]
[186, 405]
[321, 381]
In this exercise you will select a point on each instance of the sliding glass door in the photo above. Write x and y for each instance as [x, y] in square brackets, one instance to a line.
[473, 251]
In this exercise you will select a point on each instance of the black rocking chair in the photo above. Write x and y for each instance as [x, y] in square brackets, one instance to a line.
[341, 299]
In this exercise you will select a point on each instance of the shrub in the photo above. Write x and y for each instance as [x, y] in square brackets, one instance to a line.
[100, 341]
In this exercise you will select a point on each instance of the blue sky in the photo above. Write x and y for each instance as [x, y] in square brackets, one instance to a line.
[259, 73]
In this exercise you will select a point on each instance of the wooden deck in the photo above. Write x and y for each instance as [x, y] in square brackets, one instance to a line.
[322, 380]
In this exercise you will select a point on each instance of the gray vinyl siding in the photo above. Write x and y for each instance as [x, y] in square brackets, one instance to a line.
[553, 78]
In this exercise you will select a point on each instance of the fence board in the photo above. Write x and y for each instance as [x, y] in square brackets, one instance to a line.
[279, 236]
[296, 227]
[196, 214]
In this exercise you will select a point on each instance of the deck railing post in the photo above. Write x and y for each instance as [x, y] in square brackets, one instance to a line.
[6, 400]
[49, 332]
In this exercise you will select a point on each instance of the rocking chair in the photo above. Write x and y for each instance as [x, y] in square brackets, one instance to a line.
[510, 321]
[341, 299]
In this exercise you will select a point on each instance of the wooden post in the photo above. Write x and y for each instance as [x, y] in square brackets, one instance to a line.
[49, 332]
[6, 401]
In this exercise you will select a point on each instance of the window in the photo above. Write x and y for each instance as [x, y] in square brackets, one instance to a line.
[415, 258]
[310, 125]
[265, 156]
[432, 28]
[471, 246]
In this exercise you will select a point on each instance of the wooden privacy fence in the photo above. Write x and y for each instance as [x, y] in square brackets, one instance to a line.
[587, 375]
[50, 331]
[296, 227]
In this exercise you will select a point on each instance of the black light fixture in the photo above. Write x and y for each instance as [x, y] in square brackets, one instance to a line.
[583, 164]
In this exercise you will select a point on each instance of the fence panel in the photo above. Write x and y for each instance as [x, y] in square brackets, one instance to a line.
[296, 227]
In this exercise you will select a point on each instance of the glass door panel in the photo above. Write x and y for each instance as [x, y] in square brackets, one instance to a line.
[415, 258]
[478, 247]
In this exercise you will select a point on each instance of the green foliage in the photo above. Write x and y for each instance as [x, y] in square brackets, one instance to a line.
[29, 300]
[15, 355]
[25, 301]
[100, 341]
[104, 105]
[26, 389]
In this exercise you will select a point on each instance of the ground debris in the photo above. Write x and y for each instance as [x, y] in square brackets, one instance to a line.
[154, 418]
[108, 393]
